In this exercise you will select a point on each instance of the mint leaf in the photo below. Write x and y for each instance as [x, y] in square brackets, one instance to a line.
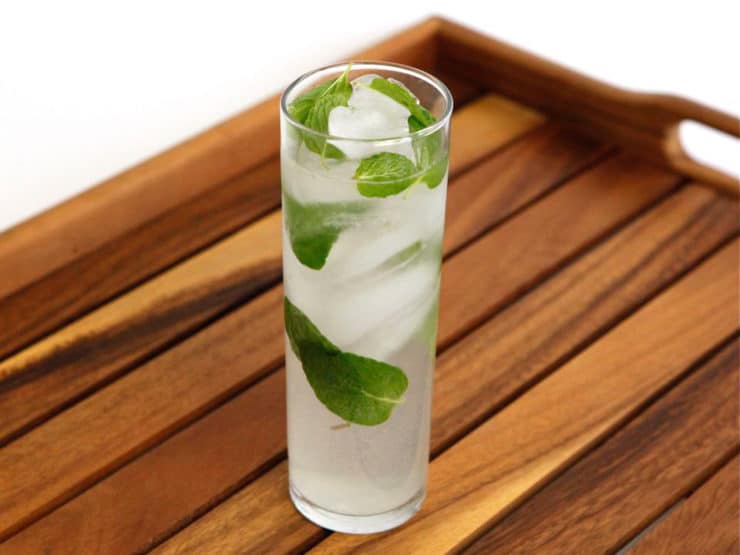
[312, 110]
[301, 330]
[420, 117]
[302, 105]
[434, 175]
[415, 125]
[429, 162]
[358, 389]
[314, 228]
[384, 174]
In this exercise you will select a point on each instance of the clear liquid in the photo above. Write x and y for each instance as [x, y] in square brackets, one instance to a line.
[370, 301]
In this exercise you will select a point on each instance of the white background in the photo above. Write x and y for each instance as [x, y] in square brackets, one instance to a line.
[88, 89]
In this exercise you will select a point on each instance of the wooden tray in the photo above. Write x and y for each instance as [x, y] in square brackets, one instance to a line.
[588, 355]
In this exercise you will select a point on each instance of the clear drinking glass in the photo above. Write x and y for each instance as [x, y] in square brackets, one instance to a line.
[363, 220]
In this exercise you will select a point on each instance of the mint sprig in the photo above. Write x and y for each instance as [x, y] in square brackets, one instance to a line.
[302, 105]
[427, 158]
[312, 110]
[313, 228]
[356, 388]
[385, 174]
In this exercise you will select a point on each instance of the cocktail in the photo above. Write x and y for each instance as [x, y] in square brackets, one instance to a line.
[364, 159]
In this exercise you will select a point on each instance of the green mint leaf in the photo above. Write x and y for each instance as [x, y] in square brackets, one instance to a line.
[302, 105]
[314, 228]
[429, 163]
[384, 174]
[415, 125]
[312, 109]
[301, 330]
[420, 117]
[358, 389]
[429, 160]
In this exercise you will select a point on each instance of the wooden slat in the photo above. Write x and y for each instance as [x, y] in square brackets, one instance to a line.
[484, 126]
[495, 121]
[531, 167]
[609, 496]
[92, 350]
[114, 409]
[115, 520]
[78, 226]
[97, 346]
[562, 314]
[136, 256]
[707, 522]
[552, 232]
[534, 336]
[510, 455]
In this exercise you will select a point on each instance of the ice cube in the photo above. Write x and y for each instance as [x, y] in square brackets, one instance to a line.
[355, 312]
[364, 249]
[310, 179]
[365, 98]
[369, 115]
[382, 341]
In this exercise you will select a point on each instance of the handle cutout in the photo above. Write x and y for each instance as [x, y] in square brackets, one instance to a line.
[711, 147]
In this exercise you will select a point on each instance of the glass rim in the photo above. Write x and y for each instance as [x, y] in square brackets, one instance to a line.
[368, 64]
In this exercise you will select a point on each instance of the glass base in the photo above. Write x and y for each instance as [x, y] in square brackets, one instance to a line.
[357, 524]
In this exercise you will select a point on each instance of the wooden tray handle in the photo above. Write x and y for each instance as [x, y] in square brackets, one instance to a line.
[674, 152]
[645, 123]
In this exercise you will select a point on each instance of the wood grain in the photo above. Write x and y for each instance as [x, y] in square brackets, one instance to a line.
[562, 314]
[78, 226]
[610, 495]
[182, 477]
[505, 121]
[96, 348]
[707, 522]
[223, 443]
[274, 526]
[512, 454]
[534, 165]
[645, 123]
[552, 232]
[142, 252]
[37, 493]
[533, 336]
[139, 410]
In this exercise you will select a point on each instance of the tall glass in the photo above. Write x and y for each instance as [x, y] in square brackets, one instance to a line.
[363, 220]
